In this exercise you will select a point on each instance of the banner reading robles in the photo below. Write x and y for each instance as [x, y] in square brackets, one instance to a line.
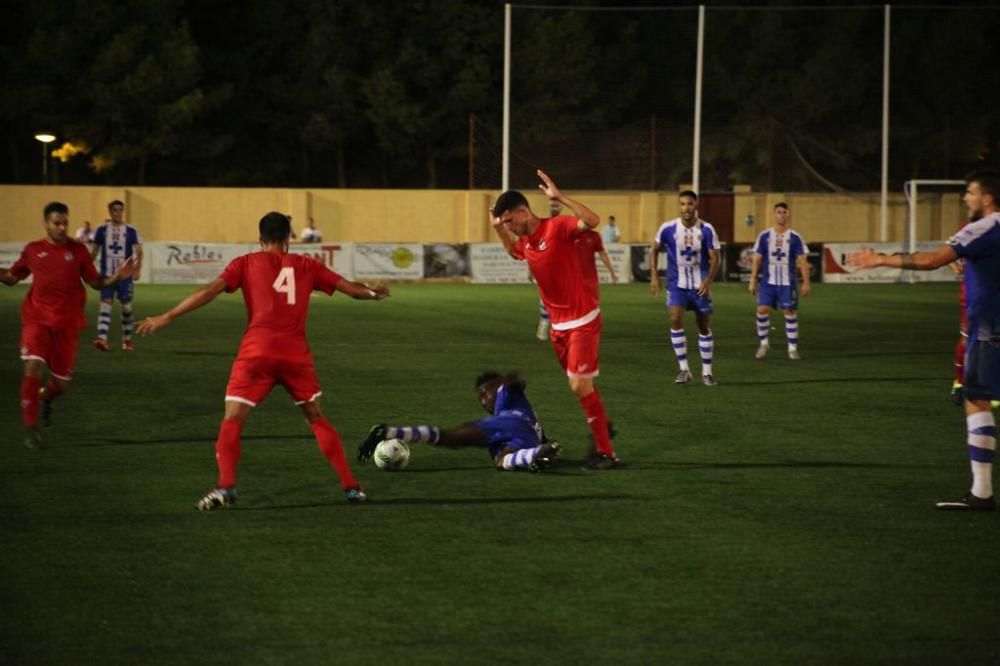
[187, 263]
[388, 262]
[836, 269]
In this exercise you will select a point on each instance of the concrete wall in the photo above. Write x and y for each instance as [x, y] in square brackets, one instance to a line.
[231, 214]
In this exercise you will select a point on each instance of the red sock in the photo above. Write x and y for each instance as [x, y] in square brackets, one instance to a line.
[51, 391]
[227, 452]
[597, 419]
[332, 448]
[30, 401]
[960, 361]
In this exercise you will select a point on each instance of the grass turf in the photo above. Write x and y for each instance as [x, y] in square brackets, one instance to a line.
[783, 516]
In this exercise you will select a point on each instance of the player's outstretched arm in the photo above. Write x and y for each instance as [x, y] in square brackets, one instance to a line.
[203, 296]
[363, 292]
[916, 261]
[803, 263]
[587, 216]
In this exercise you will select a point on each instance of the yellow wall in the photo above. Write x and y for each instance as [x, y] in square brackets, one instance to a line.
[231, 214]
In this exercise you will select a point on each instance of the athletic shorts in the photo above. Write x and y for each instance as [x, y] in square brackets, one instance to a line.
[689, 300]
[123, 290]
[56, 347]
[251, 379]
[576, 349]
[774, 296]
[505, 431]
[982, 370]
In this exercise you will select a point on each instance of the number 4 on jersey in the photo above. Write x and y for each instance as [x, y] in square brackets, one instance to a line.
[285, 284]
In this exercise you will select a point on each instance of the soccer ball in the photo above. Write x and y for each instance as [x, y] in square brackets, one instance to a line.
[392, 455]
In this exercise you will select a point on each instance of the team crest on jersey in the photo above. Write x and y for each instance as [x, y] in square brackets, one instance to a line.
[68, 256]
[42, 255]
[542, 246]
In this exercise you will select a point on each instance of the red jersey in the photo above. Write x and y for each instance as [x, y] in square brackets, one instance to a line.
[57, 296]
[276, 290]
[588, 244]
[554, 260]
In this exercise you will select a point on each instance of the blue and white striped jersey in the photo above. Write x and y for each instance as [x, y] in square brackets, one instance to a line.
[979, 244]
[687, 250]
[779, 251]
[117, 243]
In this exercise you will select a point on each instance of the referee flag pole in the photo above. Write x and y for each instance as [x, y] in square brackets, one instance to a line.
[696, 158]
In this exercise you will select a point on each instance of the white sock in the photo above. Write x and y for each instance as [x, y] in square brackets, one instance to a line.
[679, 342]
[982, 442]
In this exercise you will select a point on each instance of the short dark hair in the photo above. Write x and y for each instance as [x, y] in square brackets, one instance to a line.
[55, 207]
[487, 376]
[688, 193]
[275, 227]
[508, 201]
[116, 202]
[989, 182]
[780, 204]
[611, 218]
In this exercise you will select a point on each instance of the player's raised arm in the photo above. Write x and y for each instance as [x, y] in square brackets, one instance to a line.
[202, 296]
[361, 291]
[915, 261]
[506, 236]
[587, 216]
[8, 278]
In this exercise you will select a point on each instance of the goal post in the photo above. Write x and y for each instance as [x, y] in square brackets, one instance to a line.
[912, 190]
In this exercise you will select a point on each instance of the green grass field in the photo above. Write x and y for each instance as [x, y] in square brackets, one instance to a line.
[784, 516]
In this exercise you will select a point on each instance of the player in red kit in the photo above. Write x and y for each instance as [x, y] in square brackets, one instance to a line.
[549, 246]
[276, 288]
[52, 313]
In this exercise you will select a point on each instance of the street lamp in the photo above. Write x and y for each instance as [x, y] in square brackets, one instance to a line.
[45, 139]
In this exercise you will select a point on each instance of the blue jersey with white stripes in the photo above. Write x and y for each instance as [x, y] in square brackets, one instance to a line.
[979, 244]
[117, 243]
[687, 250]
[779, 252]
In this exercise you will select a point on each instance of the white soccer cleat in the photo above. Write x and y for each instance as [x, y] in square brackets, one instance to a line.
[217, 498]
[762, 351]
[793, 354]
[543, 330]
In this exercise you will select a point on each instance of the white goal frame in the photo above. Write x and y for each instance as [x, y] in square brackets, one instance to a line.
[912, 189]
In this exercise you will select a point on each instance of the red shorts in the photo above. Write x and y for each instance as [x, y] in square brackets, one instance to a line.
[251, 379]
[576, 349]
[56, 347]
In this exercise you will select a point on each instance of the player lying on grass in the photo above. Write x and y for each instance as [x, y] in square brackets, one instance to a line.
[512, 434]
[276, 288]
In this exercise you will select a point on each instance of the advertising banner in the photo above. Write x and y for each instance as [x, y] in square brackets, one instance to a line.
[836, 269]
[338, 257]
[620, 257]
[388, 261]
[490, 264]
[190, 263]
[446, 260]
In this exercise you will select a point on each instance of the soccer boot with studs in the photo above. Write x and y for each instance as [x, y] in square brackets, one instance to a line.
[968, 503]
[366, 449]
[217, 498]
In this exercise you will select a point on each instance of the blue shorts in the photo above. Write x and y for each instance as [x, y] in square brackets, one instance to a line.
[982, 370]
[123, 290]
[689, 300]
[773, 296]
[507, 431]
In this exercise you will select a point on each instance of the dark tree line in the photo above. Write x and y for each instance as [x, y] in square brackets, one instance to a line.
[339, 93]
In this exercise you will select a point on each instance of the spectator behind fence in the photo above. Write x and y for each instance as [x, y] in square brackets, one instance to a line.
[611, 233]
[85, 234]
[311, 234]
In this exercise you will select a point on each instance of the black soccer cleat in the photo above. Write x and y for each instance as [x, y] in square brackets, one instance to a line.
[545, 458]
[217, 498]
[355, 495]
[957, 393]
[366, 449]
[968, 503]
[600, 461]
